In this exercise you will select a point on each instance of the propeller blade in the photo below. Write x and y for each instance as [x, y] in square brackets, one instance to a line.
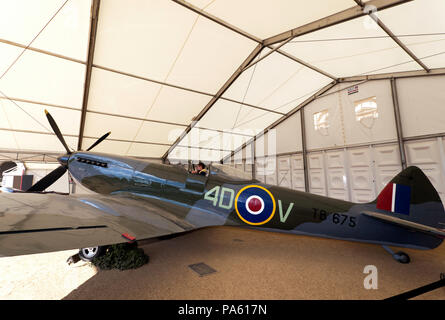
[99, 140]
[56, 130]
[48, 180]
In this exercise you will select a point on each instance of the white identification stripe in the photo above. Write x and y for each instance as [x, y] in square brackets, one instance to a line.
[393, 200]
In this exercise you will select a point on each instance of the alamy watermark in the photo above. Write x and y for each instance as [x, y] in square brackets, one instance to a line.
[371, 280]
[216, 145]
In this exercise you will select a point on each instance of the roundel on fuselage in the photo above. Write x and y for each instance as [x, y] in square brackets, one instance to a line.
[255, 205]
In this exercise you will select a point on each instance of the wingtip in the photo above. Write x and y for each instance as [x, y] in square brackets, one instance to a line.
[46, 111]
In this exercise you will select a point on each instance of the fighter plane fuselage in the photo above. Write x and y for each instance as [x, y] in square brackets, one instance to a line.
[220, 199]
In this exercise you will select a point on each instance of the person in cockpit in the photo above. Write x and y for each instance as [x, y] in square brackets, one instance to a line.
[200, 169]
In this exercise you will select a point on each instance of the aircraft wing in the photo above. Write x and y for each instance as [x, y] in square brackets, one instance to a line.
[34, 223]
[405, 223]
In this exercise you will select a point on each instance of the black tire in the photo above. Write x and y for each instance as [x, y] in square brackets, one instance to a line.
[88, 254]
[402, 257]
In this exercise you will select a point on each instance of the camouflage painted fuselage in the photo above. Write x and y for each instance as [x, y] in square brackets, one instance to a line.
[198, 201]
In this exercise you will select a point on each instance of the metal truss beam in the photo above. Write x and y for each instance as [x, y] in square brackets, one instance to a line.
[110, 139]
[215, 98]
[19, 45]
[389, 33]
[248, 35]
[290, 113]
[91, 46]
[181, 88]
[307, 65]
[398, 123]
[121, 116]
[336, 18]
[403, 74]
[30, 155]
[304, 147]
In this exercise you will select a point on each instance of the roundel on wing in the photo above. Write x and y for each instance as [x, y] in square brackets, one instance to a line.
[255, 205]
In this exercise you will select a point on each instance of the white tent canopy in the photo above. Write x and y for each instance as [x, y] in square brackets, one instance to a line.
[166, 77]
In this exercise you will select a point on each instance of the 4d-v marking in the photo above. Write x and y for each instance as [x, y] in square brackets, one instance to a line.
[255, 205]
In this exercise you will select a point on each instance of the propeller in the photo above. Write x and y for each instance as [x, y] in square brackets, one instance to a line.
[54, 175]
[99, 140]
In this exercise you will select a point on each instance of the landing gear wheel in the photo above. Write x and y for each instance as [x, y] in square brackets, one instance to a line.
[402, 257]
[88, 254]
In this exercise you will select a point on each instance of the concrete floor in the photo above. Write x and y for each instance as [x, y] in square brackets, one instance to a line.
[254, 264]
[249, 264]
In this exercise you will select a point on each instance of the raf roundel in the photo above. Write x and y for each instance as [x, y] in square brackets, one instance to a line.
[255, 205]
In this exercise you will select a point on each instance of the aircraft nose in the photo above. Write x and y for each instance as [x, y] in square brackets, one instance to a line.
[63, 160]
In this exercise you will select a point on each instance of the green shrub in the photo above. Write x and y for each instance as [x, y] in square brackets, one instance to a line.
[121, 256]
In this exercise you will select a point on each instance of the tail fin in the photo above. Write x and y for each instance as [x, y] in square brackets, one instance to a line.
[411, 196]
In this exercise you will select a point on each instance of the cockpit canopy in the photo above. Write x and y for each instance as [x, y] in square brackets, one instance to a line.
[229, 171]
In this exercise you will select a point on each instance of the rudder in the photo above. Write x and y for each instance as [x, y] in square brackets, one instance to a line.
[411, 196]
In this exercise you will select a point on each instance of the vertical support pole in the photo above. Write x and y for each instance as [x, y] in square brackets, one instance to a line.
[398, 121]
[89, 66]
[303, 140]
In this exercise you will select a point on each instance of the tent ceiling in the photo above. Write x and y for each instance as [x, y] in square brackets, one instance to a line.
[165, 76]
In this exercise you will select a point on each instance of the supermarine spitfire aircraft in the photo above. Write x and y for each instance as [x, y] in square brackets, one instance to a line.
[136, 199]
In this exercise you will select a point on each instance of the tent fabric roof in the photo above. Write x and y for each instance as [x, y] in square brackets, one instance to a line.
[166, 77]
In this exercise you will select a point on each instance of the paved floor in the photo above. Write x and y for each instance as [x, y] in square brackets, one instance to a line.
[249, 264]
[254, 264]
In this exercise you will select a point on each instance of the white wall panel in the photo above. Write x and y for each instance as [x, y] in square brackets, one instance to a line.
[361, 174]
[239, 166]
[426, 155]
[387, 164]
[260, 172]
[343, 127]
[238, 157]
[336, 174]
[248, 153]
[271, 170]
[284, 171]
[422, 104]
[179, 154]
[288, 135]
[369, 130]
[331, 136]
[266, 145]
[208, 155]
[297, 172]
[248, 168]
[317, 181]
